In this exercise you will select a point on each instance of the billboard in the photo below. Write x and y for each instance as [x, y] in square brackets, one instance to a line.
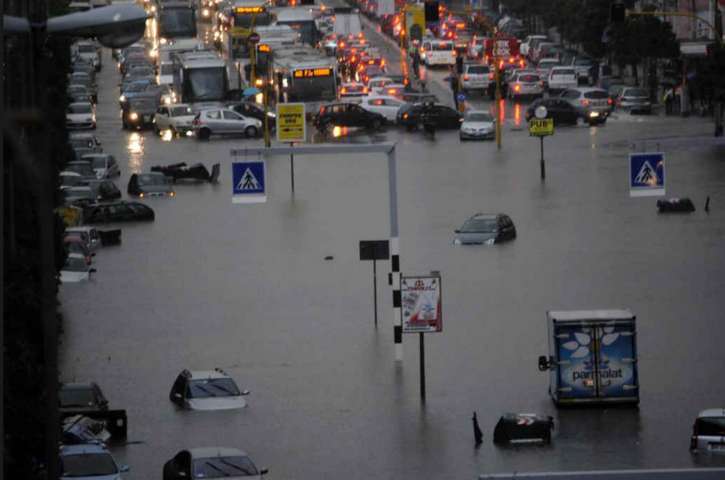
[421, 305]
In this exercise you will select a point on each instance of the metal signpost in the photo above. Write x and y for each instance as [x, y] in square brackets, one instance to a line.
[541, 127]
[249, 182]
[375, 250]
[421, 309]
[291, 127]
[646, 174]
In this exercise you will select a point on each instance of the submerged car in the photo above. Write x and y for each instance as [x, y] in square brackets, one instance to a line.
[196, 172]
[90, 461]
[442, 116]
[153, 184]
[121, 211]
[207, 390]
[81, 397]
[81, 115]
[516, 428]
[477, 125]
[103, 164]
[636, 100]
[485, 229]
[76, 269]
[211, 462]
[708, 432]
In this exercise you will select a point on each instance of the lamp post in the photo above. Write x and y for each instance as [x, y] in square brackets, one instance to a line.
[114, 26]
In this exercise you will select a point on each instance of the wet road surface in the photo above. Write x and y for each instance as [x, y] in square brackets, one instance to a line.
[246, 288]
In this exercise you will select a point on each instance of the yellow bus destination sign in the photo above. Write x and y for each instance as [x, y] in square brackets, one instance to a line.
[242, 10]
[541, 127]
[291, 125]
[312, 72]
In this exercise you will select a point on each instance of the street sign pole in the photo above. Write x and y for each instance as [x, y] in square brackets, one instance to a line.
[375, 291]
[497, 74]
[421, 337]
[543, 166]
[292, 168]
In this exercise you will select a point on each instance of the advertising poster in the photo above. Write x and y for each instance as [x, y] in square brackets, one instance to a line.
[421, 305]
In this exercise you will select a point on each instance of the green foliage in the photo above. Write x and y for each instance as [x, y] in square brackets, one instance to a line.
[643, 37]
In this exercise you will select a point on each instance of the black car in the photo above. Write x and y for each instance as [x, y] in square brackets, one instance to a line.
[81, 397]
[117, 212]
[153, 184]
[196, 172]
[485, 229]
[560, 110]
[527, 428]
[253, 110]
[442, 116]
[347, 115]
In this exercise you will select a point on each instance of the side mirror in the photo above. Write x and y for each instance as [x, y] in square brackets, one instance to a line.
[456, 231]
[246, 392]
[264, 471]
[123, 468]
[545, 363]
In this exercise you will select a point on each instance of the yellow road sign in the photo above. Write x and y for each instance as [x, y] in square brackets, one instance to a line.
[291, 125]
[541, 127]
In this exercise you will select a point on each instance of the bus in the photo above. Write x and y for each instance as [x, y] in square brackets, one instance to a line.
[174, 20]
[301, 19]
[242, 18]
[201, 77]
[304, 74]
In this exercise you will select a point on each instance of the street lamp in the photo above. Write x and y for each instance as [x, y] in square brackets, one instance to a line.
[114, 26]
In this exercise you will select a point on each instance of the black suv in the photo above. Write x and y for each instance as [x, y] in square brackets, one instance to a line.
[442, 116]
[347, 115]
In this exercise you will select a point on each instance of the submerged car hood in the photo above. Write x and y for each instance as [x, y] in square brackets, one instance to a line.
[463, 238]
[218, 403]
[115, 476]
[155, 188]
[66, 276]
[79, 117]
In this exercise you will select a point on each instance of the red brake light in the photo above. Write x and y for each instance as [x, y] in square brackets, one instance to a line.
[609, 101]
[344, 90]
[466, 77]
[585, 102]
[366, 89]
[490, 76]
[517, 88]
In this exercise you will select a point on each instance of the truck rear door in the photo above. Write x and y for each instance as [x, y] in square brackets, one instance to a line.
[617, 369]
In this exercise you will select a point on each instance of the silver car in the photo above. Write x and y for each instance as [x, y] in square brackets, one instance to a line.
[104, 164]
[708, 432]
[634, 100]
[223, 121]
[212, 462]
[525, 84]
[207, 390]
[485, 229]
[589, 101]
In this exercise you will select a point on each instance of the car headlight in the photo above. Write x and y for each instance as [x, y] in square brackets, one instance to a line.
[162, 41]
[122, 98]
[133, 116]
[205, 12]
[167, 100]
[593, 114]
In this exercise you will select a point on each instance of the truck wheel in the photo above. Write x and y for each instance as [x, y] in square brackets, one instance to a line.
[376, 124]
[204, 134]
[251, 131]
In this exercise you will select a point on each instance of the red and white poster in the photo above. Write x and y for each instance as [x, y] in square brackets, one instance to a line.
[421, 304]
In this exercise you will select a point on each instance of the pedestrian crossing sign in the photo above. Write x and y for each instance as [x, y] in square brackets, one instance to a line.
[646, 174]
[248, 182]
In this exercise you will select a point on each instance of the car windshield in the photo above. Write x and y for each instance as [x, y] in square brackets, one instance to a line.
[80, 108]
[87, 48]
[583, 62]
[136, 87]
[442, 47]
[479, 117]
[217, 467]
[180, 111]
[81, 143]
[529, 78]
[479, 225]
[141, 72]
[635, 92]
[84, 169]
[212, 387]
[711, 427]
[563, 71]
[76, 397]
[87, 465]
[152, 179]
[98, 162]
[478, 69]
[596, 94]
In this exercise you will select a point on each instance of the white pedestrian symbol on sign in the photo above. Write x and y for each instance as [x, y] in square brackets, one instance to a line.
[646, 175]
[248, 181]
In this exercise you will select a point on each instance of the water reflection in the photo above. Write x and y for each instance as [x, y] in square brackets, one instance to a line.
[135, 149]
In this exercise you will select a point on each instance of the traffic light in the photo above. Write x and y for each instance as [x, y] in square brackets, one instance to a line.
[618, 12]
[431, 11]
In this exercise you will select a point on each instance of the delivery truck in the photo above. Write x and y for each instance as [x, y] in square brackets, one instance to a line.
[592, 357]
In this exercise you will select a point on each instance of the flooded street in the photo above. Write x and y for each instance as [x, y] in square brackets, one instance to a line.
[247, 288]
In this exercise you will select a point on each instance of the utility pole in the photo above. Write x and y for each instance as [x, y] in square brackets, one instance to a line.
[2, 246]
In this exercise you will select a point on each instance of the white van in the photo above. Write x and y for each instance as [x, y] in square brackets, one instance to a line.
[438, 52]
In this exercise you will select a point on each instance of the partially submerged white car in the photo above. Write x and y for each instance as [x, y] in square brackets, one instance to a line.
[207, 390]
[76, 269]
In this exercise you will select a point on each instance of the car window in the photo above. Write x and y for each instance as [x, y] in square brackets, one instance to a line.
[80, 108]
[219, 467]
[229, 115]
[212, 387]
[377, 102]
[76, 397]
[635, 92]
[180, 111]
[570, 94]
[562, 71]
[391, 103]
[529, 78]
[478, 69]
[711, 426]
[596, 94]
[479, 225]
[98, 162]
[162, 111]
[213, 114]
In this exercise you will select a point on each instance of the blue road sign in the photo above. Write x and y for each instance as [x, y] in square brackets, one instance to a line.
[646, 174]
[248, 182]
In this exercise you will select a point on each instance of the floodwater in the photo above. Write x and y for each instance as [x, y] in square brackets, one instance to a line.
[247, 288]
